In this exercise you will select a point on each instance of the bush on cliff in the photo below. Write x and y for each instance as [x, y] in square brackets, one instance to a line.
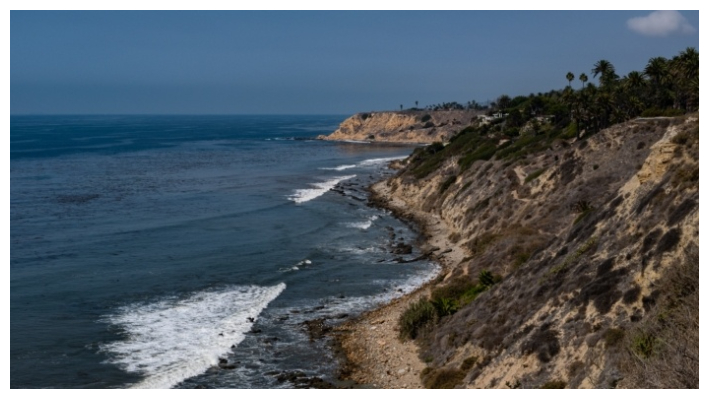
[445, 301]
[419, 315]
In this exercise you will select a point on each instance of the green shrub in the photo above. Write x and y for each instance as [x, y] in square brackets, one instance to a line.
[417, 316]
[453, 296]
[534, 175]
[569, 132]
[470, 295]
[486, 278]
[445, 306]
[644, 344]
[522, 146]
[511, 132]
[426, 118]
[427, 159]
[434, 147]
[482, 153]
[469, 129]
[453, 290]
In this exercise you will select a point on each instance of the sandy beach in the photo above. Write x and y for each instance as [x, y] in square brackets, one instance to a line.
[374, 353]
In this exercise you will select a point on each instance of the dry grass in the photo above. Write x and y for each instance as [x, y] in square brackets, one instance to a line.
[442, 378]
[663, 350]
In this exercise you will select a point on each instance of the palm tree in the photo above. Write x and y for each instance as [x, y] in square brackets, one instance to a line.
[607, 72]
[401, 107]
[684, 71]
[634, 80]
[503, 102]
[417, 103]
[657, 70]
[583, 78]
[569, 77]
[571, 99]
[688, 63]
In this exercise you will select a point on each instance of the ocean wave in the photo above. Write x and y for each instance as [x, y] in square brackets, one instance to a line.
[362, 251]
[379, 161]
[308, 194]
[365, 163]
[340, 168]
[395, 289]
[332, 306]
[296, 267]
[364, 225]
[175, 339]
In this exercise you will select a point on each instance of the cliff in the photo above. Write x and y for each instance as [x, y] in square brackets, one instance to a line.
[579, 263]
[403, 127]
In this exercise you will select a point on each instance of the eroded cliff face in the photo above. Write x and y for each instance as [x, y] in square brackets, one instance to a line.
[403, 127]
[596, 241]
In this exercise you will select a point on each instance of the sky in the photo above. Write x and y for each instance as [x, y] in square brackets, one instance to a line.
[303, 62]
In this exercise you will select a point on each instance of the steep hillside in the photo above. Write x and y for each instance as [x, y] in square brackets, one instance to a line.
[403, 127]
[581, 266]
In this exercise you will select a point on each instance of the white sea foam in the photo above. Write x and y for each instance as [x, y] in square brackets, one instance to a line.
[364, 225]
[307, 194]
[366, 162]
[297, 266]
[379, 161]
[356, 141]
[175, 339]
[362, 251]
[395, 289]
[401, 288]
[340, 168]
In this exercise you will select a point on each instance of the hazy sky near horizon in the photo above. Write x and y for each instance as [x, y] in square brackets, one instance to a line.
[300, 62]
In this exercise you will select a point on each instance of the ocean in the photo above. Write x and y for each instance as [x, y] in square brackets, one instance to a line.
[145, 250]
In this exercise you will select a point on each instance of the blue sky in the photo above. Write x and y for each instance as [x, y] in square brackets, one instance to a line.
[298, 62]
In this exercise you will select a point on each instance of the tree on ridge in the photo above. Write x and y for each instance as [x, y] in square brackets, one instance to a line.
[569, 77]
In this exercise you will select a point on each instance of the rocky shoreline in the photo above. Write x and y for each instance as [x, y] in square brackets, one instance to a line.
[369, 346]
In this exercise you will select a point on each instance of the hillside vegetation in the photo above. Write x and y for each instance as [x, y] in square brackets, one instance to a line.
[580, 222]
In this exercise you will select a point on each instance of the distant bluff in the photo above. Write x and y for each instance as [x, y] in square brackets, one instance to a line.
[411, 126]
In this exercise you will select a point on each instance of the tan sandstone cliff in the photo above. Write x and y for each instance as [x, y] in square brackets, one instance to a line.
[403, 127]
[596, 242]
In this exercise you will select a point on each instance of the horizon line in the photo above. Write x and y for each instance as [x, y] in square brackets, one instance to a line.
[184, 114]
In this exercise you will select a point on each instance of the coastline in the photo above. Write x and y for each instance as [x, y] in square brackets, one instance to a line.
[369, 344]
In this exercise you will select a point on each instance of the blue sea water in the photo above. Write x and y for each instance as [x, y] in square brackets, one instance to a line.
[143, 246]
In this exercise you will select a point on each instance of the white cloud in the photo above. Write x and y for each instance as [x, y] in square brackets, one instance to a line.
[661, 23]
